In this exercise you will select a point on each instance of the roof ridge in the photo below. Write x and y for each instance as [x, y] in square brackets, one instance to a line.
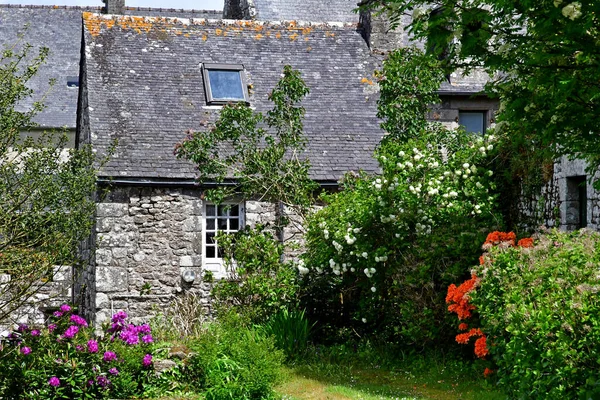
[96, 8]
[194, 21]
[199, 11]
[46, 6]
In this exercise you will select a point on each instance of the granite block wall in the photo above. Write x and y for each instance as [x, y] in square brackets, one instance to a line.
[146, 240]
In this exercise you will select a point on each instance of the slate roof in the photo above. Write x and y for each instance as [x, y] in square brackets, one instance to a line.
[59, 28]
[145, 88]
[307, 10]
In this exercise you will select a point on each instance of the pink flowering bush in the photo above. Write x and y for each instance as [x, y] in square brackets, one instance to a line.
[64, 360]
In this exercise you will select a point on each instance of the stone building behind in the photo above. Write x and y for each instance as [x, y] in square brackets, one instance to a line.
[142, 76]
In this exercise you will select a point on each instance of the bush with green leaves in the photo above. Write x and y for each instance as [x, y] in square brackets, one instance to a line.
[232, 361]
[66, 361]
[540, 310]
[382, 252]
[260, 284]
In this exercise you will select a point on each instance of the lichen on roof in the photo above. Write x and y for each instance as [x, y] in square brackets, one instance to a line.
[97, 23]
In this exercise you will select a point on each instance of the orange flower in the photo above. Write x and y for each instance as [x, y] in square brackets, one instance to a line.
[496, 237]
[458, 298]
[463, 327]
[481, 260]
[525, 242]
[481, 349]
[487, 372]
[463, 338]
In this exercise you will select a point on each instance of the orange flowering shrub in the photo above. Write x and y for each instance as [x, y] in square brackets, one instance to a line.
[458, 296]
[459, 300]
[495, 238]
[481, 349]
[463, 338]
[488, 372]
[525, 242]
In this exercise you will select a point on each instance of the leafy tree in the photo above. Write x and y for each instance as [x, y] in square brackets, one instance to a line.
[46, 202]
[258, 155]
[543, 56]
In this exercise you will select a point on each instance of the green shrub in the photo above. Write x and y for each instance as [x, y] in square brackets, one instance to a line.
[291, 331]
[540, 310]
[65, 361]
[259, 283]
[231, 361]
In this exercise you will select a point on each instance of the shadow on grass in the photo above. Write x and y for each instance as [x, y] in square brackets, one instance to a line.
[368, 382]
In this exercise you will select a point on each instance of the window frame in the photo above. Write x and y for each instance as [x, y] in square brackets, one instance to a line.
[210, 99]
[215, 264]
[484, 114]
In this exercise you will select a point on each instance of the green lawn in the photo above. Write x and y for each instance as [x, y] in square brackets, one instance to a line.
[337, 382]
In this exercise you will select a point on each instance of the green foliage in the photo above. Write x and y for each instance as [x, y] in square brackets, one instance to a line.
[542, 56]
[258, 161]
[403, 105]
[291, 331]
[46, 191]
[259, 284]
[540, 310]
[232, 361]
[65, 361]
[382, 252]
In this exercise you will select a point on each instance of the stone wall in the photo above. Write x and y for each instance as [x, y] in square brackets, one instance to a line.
[146, 238]
[48, 296]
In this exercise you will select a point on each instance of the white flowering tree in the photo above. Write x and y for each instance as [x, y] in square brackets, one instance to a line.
[542, 54]
[382, 252]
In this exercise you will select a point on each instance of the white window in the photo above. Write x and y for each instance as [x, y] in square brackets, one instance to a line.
[224, 83]
[225, 217]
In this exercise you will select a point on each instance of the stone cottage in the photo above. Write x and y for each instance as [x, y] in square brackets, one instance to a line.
[145, 76]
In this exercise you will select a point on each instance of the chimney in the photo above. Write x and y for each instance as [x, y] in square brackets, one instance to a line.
[238, 9]
[113, 6]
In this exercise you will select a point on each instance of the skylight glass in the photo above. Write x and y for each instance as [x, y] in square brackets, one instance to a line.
[226, 85]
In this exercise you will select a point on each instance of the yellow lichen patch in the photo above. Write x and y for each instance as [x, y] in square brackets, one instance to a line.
[55, 7]
[268, 33]
[292, 25]
[293, 37]
[218, 32]
[258, 37]
[367, 81]
[306, 39]
[278, 35]
[188, 35]
[258, 28]
[178, 32]
[307, 30]
[248, 24]
[204, 36]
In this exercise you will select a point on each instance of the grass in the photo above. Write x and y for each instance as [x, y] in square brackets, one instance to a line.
[426, 380]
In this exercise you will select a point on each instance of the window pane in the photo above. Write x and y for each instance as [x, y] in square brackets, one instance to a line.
[222, 224]
[226, 85]
[210, 209]
[210, 252]
[473, 121]
[224, 210]
[210, 237]
[234, 224]
[210, 224]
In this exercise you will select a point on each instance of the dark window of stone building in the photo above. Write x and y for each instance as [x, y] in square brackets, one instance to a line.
[225, 218]
[473, 121]
[576, 207]
[224, 83]
[72, 81]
